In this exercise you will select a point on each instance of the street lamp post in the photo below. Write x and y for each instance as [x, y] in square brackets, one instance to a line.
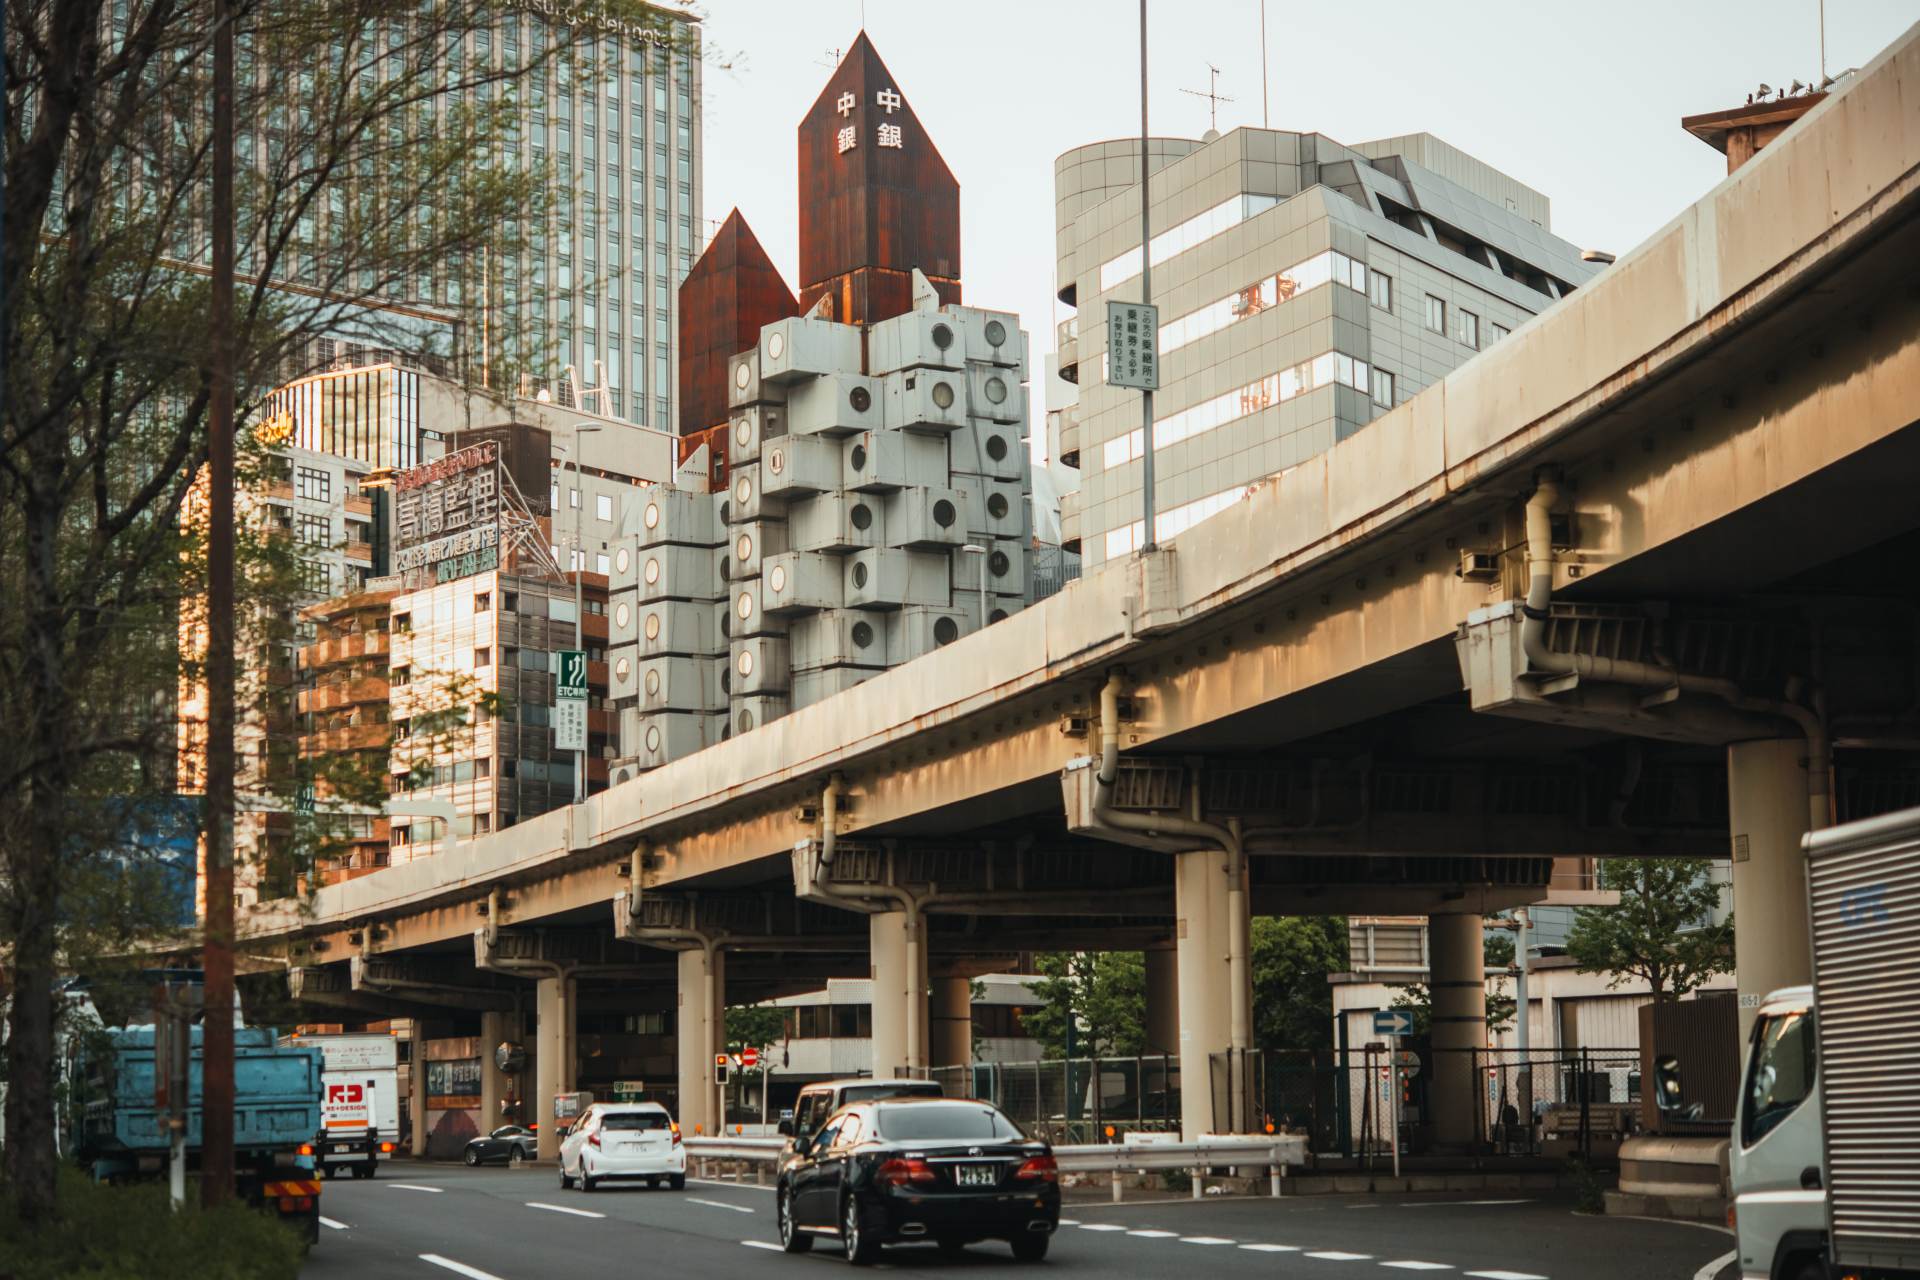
[974, 548]
[579, 500]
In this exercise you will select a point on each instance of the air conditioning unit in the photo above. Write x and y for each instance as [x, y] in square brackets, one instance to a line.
[680, 684]
[684, 627]
[926, 400]
[744, 385]
[989, 449]
[995, 394]
[917, 631]
[802, 347]
[880, 461]
[992, 337]
[1479, 566]
[925, 516]
[915, 340]
[745, 714]
[836, 522]
[667, 514]
[801, 582]
[751, 545]
[798, 465]
[654, 738]
[746, 502]
[838, 637]
[751, 428]
[883, 578]
[837, 404]
[747, 613]
[993, 508]
[677, 572]
[810, 687]
[1005, 563]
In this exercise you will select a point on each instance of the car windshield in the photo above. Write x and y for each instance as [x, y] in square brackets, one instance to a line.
[941, 1124]
[506, 1132]
[1782, 1074]
[635, 1120]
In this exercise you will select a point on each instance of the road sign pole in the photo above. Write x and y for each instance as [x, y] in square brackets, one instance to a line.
[1147, 540]
[1393, 1099]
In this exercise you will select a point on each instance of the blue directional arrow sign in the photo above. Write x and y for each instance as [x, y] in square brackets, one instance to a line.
[1393, 1022]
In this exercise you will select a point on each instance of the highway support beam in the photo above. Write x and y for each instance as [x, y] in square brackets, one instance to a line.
[1457, 990]
[1767, 815]
[700, 1035]
[897, 947]
[496, 1086]
[555, 1002]
[1163, 1000]
[950, 1022]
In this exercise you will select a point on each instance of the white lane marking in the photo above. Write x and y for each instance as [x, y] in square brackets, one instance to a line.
[1707, 1272]
[561, 1208]
[1149, 1233]
[1204, 1240]
[719, 1204]
[1455, 1204]
[761, 1244]
[458, 1268]
[1334, 1255]
[1069, 1222]
[329, 1222]
[1104, 1226]
[735, 1186]
[414, 1186]
[1420, 1266]
[1505, 1275]
[1272, 1248]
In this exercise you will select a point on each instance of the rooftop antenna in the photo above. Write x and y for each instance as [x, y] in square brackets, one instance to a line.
[1265, 123]
[1823, 44]
[833, 62]
[1213, 96]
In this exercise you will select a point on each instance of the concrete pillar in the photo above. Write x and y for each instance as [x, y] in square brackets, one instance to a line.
[1459, 992]
[1768, 814]
[495, 1084]
[553, 1058]
[888, 936]
[1201, 942]
[950, 1016]
[1163, 1000]
[417, 1092]
[698, 1035]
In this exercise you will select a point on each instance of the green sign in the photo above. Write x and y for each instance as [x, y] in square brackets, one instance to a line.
[466, 564]
[303, 798]
[570, 701]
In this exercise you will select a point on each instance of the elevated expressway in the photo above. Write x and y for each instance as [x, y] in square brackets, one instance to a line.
[1329, 697]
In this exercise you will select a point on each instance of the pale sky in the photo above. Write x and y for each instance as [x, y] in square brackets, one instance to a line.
[1581, 101]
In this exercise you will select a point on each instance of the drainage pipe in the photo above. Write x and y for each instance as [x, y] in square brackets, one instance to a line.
[1533, 639]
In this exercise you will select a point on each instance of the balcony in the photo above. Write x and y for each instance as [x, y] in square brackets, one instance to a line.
[359, 552]
[1070, 436]
[1066, 338]
[326, 653]
[360, 505]
[357, 737]
[348, 693]
[593, 626]
[1070, 522]
[277, 490]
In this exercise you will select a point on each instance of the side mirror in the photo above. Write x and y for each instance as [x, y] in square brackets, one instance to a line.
[784, 1128]
[1667, 1093]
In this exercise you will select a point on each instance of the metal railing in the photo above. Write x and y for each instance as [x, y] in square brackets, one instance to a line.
[1078, 1100]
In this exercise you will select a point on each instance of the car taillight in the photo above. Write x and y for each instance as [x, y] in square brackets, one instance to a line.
[386, 1148]
[1040, 1168]
[593, 1139]
[676, 1135]
[898, 1173]
[306, 1148]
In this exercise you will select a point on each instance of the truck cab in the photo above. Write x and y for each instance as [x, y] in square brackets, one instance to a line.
[1779, 1197]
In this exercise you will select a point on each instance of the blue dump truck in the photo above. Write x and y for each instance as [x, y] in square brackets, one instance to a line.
[124, 1133]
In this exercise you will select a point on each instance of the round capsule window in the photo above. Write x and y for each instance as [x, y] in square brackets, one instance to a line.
[862, 516]
[998, 564]
[862, 634]
[653, 737]
[622, 615]
[945, 631]
[998, 615]
[997, 390]
[725, 509]
[744, 605]
[776, 345]
[861, 399]
[777, 578]
[744, 663]
[742, 375]
[653, 515]
[997, 505]
[942, 336]
[743, 548]
[622, 560]
[858, 457]
[653, 626]
[652, 681]
[996, 333]
[943, 395]
[742, 432]
[943, 514]
[859, 575]
[622, 668]
[726, 680]
[743, 490]
[746, 721]
[997, 448]
[652, 572]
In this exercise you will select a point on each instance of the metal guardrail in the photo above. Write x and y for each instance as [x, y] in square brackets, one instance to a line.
[1225, 1151]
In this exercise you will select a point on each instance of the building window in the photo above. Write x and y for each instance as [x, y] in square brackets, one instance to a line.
[402, 624]
[316, 577]
[1382, 387]
[315, 531]
[312, 482]
[483, 656]
[603, 506]
[1500, 331]
[600, 564]
[482, 823]
[1380, 290]
[1469, 329]
[573, 497]
[1436, 314]
[400, 676]
[483, 602]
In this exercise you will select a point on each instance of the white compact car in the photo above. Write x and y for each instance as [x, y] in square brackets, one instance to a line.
[628, 1141]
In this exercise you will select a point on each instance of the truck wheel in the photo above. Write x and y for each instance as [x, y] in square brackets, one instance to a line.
[1808, 1269]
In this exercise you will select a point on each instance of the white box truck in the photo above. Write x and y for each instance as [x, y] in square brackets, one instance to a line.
[1825, 1153]
[359, 1101]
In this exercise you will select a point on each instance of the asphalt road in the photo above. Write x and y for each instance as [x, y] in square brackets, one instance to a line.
[429, 1222]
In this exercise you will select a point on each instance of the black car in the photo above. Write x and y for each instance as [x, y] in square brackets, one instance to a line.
[503, 1144]
[909, 1170]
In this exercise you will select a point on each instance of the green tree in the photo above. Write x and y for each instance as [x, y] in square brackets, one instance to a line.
[369, 187]
[1659, 932]
[1104, 992]
[1292, 957]
[758, 1025]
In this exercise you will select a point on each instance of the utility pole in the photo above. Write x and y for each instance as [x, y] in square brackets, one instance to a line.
[216, 1151]
[579, 500]
[1147, 540]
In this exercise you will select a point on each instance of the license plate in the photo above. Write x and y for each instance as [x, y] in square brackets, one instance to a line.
[976, 1175]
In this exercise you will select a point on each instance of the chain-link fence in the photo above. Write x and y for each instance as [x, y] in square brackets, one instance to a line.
[1077, 1100]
